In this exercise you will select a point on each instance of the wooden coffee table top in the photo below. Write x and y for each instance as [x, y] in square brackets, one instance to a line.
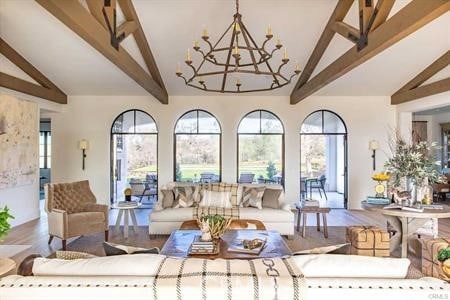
[180, 241]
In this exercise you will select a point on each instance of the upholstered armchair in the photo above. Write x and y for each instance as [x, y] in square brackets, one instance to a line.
[72, 211]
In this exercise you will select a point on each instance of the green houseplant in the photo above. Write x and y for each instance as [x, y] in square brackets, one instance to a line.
[5, 227]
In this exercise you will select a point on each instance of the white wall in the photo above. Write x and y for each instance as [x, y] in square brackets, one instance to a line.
[90, 117]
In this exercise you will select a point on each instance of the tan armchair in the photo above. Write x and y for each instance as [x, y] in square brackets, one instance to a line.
[72, 211]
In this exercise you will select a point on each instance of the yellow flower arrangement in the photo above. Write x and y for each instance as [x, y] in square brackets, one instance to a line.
[381, 176]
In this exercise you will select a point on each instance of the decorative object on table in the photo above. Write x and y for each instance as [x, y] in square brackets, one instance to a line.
[215, 225]
[380, 188]
[310, 202]
[378, 200]
[5, 226]
[83, 145]
[127, 193]
[368, 241]
[126, 203]
[200, 246]
[412, 166]
[253, 246]
[239, 57]
[435, 252]
[374, 146]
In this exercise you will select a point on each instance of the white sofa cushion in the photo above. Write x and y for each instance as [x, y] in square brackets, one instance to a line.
[354, 266]
[172, 215]
[269, 215]
[131, 265]
[215, 199]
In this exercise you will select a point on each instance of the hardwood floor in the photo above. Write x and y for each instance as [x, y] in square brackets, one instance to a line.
[35, 233]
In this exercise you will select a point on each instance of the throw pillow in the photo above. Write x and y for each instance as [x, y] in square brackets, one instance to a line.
[168, 198]
[215, 199]
[69, 255]
[185, 196]
[333, 249]
[252, 197]
[270, 198]
[115, 249]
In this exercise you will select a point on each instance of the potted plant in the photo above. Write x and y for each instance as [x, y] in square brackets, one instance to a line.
[444, 257]
[412, 165]
[5, 226]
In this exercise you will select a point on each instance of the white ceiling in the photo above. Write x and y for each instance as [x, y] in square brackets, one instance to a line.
[171, 27]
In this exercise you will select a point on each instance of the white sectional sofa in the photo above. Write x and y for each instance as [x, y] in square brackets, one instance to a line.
[165, 220]
[134, 277]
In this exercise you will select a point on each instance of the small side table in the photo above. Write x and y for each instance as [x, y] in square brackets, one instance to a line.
[6, 266]
[125, 213]
[305, 210]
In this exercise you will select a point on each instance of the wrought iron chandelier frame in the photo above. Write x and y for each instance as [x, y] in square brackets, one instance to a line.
[238, 29]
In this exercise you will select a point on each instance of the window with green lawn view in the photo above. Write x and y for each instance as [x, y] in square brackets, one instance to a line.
[197, 148]
[260, 148]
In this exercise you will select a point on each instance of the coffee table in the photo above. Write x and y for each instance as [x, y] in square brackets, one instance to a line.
[180, 241]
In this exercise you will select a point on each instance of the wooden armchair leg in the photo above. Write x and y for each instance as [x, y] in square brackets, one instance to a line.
[106, 235]
[64, 245]
[50, 239]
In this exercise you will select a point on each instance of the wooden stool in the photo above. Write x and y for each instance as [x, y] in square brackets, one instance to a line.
[304, 211]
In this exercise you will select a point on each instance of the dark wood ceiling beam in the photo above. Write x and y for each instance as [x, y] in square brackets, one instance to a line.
[382, 10]
[338, 15]
[413, 89]
[126, 28]
[410, 18]
[439, 64]
[130, 15]
[434, 88]
[96, 9]
[365, 14]
[46, 89]
[79, 20]
[349, 32]
[29, 88]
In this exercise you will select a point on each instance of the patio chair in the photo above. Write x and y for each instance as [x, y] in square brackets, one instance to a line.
[246, 178]
[206, 177]
[319, 184]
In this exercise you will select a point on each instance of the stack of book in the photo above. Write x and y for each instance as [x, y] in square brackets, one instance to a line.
[378, 200]
[310, 202]
[203, 247]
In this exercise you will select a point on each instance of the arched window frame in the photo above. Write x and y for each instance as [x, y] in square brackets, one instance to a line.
[112, 133]
[175, 133]
[262, 133]
[323, 132]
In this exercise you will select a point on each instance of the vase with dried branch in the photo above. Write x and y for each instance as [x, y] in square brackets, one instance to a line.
[213, 226]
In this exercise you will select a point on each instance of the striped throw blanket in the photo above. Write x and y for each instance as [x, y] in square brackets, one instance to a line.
[259, 279]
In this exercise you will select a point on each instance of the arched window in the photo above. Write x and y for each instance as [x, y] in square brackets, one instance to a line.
[134, 157]
[197, 145]
[261, 148]
[323, 159]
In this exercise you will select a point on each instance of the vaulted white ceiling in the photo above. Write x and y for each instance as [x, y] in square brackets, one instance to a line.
[171, 26]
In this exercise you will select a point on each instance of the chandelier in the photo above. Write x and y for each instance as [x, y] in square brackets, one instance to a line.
[238, 64]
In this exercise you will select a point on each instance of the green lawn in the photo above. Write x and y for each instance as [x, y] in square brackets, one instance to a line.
[190, 170]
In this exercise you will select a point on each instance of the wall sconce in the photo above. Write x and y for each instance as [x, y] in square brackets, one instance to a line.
[374, 146]
[83, 145]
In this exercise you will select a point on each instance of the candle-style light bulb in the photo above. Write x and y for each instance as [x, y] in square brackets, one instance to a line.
[188, 55]
[237, 28]
[269, 30]
[196, 44]
[297, 67]
[178, 68]
[278, 42]
[236, 50]
[285, 56]
[205, 32]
